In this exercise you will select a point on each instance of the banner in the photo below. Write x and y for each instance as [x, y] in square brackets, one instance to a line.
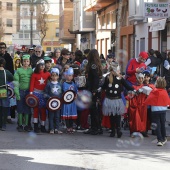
[156, 10]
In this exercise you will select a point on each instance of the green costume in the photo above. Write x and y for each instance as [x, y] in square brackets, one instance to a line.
[22, 82]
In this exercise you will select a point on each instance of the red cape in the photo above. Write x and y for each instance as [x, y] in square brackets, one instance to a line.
[158, 97]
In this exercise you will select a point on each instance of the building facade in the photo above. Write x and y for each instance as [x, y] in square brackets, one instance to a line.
[8, 20]
[150, 32]
[65, 20]
[51, 41]
[83, 26]
[107, 28]
[23, 36]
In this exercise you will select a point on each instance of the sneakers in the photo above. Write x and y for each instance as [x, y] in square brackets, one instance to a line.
[27, 129]
[9, 121]
[164, 141]
[52, 131]
[3, 129]
[58, 131]
[20, 128]
[160, 143]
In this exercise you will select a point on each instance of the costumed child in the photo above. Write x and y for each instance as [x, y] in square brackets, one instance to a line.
[113, 105]
[158, 99]
[69, 111]
[5, 76]
[17, 62]
[21, 88]
[147, 82]
[37, 85]
[137, 111]
[53, 89]
[48, 63]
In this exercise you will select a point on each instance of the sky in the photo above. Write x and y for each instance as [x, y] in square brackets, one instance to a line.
[54, 7]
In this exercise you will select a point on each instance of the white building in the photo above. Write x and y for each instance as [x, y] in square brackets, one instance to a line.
[23, 35]
[153, 31]
[83, 25]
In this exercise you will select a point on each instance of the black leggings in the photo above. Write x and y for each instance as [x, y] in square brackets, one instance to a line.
[69, 123]
[115, 121]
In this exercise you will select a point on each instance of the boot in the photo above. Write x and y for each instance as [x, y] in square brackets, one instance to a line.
[112, 134]
[119, 133]
[43, 130]
[36, 130]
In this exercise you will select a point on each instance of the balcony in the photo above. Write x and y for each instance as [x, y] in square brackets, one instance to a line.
[96, 5]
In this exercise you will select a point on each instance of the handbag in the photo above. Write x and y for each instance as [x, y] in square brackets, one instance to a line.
[3, 89]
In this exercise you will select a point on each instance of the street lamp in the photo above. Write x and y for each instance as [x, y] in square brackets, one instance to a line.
[31, 22]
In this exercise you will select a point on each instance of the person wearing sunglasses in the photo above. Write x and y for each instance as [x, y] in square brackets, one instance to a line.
[64, 58]
[7, 57]
[36, 56]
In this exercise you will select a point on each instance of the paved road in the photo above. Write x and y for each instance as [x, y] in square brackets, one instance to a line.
[27, 151]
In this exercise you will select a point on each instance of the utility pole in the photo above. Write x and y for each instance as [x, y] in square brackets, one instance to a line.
[31, 22]
[118, 26]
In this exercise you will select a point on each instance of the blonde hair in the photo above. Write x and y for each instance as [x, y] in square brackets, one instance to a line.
[160, 83]
[110, 78]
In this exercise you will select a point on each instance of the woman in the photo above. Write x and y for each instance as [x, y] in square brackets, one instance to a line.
[56, 55]
[94, 74]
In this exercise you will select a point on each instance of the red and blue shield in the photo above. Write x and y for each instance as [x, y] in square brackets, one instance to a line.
[31, 100]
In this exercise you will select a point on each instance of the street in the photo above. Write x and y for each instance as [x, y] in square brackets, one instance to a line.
[28, 151]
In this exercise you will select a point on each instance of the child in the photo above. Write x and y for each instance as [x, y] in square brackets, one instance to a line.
[37, 85]
[138, 112]
[65, 68]
[113, 105]
[52, 89]
[48, 63]
[22, 77]
[5, 76]
[147, 82]
[69, 112]
[17, 62]
[158, 99]
[147, 79]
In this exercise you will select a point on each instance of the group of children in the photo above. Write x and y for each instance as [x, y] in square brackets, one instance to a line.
[44, 83]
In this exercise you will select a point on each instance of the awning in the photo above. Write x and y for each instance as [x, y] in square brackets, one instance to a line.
[157, 25]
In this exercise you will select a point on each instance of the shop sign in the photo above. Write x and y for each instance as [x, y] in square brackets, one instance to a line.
[156, 10]
[157, 25]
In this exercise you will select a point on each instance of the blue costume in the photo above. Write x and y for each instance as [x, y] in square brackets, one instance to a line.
[69, 111]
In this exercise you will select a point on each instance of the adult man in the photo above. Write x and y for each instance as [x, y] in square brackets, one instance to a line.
[7, 57]
[36, 56]
[136, 65]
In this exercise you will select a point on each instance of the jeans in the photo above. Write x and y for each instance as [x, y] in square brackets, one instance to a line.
[159, 118]
[54, 116]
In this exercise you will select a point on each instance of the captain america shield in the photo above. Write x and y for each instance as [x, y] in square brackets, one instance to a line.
[68, 96]
[31, 100]
[10, 92]
[53, 104]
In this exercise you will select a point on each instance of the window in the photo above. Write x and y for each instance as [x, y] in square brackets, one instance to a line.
[108, 18]
[20, 35]
[48, 49]
[26, 35]
[24, 12]
[0, 5]
[103, 20]
[57, 32]
[9, 23]
[9, 6]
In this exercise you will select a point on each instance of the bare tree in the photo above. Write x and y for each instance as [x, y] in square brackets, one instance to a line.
[42, 17]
